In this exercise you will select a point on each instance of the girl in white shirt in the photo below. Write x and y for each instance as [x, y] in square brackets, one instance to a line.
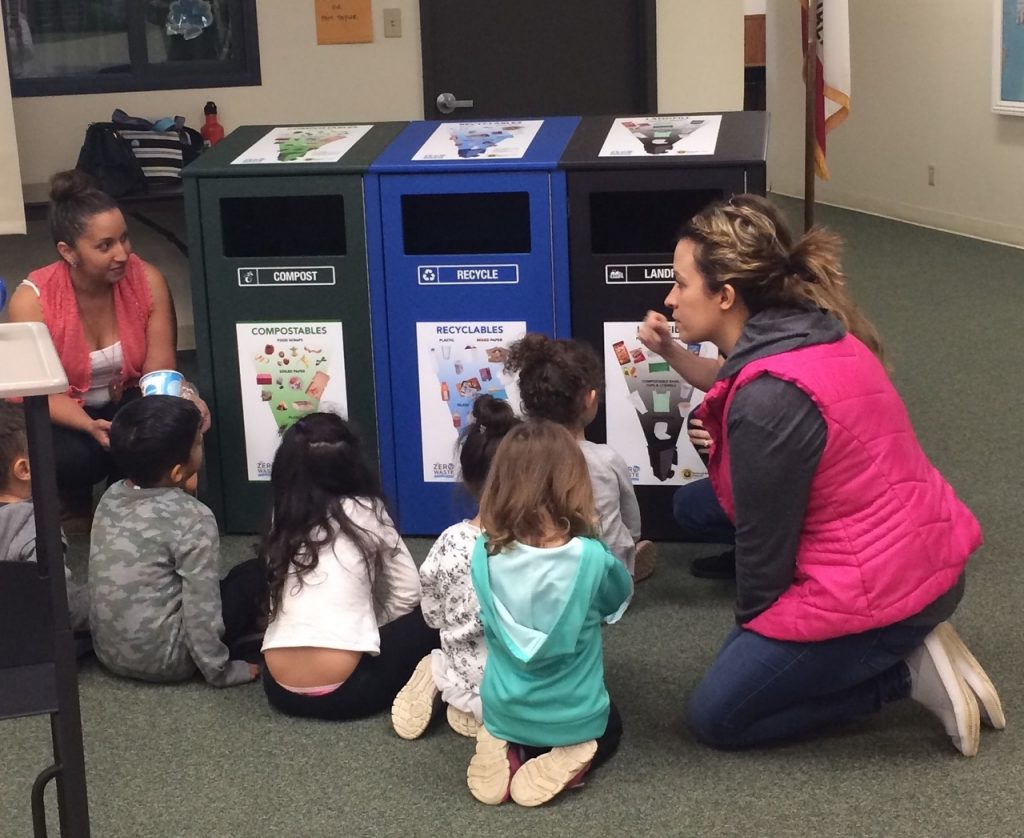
[345, 630]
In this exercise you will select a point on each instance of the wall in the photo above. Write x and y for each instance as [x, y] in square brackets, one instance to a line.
[302, 82]
[921, 96]
[12, 210]
[700, 59]
[700, 55]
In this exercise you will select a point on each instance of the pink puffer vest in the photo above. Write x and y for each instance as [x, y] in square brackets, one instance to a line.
[883, 535]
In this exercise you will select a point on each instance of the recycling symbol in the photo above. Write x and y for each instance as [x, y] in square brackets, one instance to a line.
[428, 275]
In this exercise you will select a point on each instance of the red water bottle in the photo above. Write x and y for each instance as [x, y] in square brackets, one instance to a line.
[212, 131]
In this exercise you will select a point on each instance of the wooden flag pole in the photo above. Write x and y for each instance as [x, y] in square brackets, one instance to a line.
[810, 135]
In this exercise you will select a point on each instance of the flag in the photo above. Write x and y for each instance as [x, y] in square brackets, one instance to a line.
[832, 94]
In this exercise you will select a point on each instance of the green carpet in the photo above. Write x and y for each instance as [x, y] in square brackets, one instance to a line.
[194, 761]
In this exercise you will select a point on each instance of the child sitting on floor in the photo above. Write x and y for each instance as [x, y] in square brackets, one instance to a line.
[159, 609]
[17, 512]
[343, 593]
[545, 585]
[559, 380]
[449, 601]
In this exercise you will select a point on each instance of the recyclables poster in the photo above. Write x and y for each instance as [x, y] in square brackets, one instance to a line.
[458, 362]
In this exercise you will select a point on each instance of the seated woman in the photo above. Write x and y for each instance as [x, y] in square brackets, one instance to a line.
[111, 318]
[850, 546]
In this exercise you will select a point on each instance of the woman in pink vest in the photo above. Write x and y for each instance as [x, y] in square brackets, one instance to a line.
[111, 319]
[850, 547]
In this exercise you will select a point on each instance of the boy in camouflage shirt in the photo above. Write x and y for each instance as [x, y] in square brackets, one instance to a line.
[156, 608]
[17, 512]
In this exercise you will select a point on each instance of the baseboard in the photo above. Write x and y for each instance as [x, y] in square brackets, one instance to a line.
[982, 229]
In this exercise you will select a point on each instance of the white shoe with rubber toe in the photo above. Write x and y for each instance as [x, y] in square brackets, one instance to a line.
[936, 683]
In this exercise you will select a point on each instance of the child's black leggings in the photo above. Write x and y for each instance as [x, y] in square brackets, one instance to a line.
[374, 683]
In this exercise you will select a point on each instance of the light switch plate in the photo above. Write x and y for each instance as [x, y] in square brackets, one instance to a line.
[392, 23]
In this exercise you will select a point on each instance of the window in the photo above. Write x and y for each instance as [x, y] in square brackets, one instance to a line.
[57, 47]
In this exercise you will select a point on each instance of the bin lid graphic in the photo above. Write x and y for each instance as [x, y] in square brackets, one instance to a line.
[668, 141]
[491, 145]
[288, 150]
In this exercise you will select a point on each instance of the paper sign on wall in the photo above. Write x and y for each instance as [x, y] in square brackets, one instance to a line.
[344, 22]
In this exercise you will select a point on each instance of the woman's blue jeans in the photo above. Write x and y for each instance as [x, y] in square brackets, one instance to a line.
[700, 516]
[760, 690]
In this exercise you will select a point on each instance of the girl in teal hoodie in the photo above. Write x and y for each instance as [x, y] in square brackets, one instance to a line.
[545, 585]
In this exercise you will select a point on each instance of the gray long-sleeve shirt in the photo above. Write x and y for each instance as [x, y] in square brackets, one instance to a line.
[18, 544]
[614, 500]
[155, 587]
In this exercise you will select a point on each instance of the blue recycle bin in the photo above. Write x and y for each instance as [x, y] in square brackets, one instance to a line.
[471, 253]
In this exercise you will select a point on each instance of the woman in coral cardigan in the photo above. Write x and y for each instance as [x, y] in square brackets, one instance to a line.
[111, 318]
[850, 546]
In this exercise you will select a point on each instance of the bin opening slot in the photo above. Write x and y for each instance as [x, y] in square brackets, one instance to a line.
[466, 222]
[643, 222]
[283, 225]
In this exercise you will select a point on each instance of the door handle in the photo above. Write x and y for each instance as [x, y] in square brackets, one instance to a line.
[447, 103]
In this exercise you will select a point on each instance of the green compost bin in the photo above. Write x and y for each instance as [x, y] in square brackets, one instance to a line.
[278, 255]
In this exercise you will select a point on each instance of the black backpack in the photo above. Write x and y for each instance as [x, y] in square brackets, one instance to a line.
[109, 159]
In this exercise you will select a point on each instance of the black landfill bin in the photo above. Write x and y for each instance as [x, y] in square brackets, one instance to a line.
[632, 182]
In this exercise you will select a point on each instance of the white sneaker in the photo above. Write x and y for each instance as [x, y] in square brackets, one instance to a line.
[935, 683]
[492, 768]
[414, 705]
[543, 778]
[977, 679]
[463, 723]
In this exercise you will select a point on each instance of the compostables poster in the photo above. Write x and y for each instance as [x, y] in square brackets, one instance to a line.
[304, 144]
[286, 370]
[457, 363]
[646, 405]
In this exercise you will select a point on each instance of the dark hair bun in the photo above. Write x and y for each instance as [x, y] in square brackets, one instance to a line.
[494, 416]
[533, 349]
[69, 185]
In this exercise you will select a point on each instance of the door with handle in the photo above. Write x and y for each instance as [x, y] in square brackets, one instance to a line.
[537, 58]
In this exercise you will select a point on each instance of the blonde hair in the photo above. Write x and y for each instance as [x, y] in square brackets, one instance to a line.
[745, 242]
[538, 485]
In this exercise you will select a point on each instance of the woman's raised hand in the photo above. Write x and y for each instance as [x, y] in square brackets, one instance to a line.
[656, 334]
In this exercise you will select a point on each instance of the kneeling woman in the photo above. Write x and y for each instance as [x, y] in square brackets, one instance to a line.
[850, 546]
[345, 628]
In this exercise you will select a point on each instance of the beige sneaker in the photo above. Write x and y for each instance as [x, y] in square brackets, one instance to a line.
[414, 705]
[491, 769]
[463, 723]
[544, 777]
[935, 683]
[643, 564]
[977, 679]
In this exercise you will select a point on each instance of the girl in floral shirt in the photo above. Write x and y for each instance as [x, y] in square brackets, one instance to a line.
[449, 602]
